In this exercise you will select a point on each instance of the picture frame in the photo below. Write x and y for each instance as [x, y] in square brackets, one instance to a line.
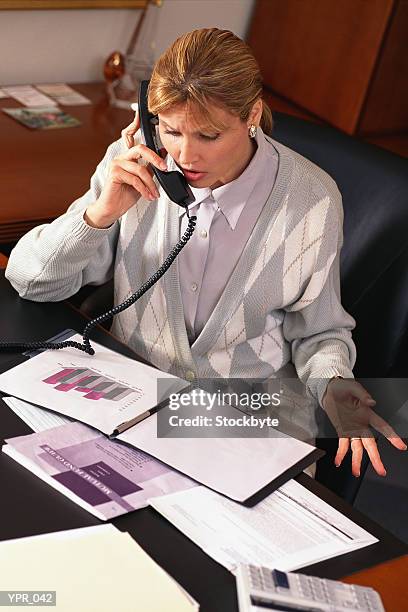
[71, 4]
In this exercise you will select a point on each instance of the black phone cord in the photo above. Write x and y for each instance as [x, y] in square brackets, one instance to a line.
[85, 346]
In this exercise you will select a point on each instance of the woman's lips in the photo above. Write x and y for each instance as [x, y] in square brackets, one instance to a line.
[192, 175]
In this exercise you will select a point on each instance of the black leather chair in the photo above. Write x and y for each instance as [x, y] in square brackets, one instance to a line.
[374, 262]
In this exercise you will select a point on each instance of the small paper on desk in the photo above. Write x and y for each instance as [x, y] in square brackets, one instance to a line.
[28, 95]
[290, 529]
[63, 94]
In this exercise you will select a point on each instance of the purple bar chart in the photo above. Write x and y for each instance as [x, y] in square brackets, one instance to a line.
[94, 386]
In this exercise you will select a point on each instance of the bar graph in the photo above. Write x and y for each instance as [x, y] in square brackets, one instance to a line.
[92, 385]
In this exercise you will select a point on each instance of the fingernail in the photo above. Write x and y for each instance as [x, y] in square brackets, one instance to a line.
[163, 166]
[337, 464]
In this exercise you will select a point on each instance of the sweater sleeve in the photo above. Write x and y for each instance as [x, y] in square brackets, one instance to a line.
[317, 325]
[53, 261]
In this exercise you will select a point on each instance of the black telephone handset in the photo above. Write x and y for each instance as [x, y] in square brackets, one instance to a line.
[174, 183]
[178, 190]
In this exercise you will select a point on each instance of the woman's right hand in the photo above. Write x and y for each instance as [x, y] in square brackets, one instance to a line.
[128, 178]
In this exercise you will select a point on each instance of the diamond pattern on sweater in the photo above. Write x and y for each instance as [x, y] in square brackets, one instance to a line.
[221, 355]
[269, 346]
[155, 330]
[124, 323]
[299, 262]
[272, 244]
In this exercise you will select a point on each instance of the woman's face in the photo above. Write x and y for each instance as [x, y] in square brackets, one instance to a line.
[208, 158]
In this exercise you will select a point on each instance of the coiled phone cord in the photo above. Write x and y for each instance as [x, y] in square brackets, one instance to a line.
[86, 347]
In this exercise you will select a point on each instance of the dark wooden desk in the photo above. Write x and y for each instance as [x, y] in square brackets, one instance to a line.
[30, 507]
[43, 171]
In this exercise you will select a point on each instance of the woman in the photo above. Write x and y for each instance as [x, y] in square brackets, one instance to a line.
[257, 286]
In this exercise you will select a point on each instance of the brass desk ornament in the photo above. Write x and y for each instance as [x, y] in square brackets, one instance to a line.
[123, 72]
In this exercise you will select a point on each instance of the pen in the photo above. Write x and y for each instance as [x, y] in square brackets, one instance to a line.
[140, 417]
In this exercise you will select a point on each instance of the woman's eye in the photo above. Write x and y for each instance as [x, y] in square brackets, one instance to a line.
[207, 137]
[202, 136]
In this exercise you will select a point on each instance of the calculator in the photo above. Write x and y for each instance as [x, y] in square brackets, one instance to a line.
[261, 589]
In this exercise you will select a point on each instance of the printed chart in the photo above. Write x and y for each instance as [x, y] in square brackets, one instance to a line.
[94, 386]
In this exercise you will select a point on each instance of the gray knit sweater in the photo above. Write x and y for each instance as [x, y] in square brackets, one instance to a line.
[281, 305]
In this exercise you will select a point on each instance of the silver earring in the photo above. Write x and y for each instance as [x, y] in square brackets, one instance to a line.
[252, 130]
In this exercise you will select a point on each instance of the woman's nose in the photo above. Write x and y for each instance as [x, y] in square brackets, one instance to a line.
[189, 154]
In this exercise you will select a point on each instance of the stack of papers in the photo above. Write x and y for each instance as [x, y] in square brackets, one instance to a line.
[109, 392]
[291, 528]
[97, 569]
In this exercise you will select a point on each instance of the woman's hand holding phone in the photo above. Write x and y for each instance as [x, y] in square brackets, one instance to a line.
[129, 177]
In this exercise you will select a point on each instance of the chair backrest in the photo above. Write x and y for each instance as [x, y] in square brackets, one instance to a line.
[374, 258]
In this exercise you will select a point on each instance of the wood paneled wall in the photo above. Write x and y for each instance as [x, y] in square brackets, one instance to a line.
[342, 61]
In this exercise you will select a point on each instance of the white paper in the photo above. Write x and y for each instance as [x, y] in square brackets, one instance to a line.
[97, 569]
[29, 96]
[279, 532]
[94, 531]
[63, 94]
[3, 94]
[39, 419]
[236, 467]
[135, 385]
[103, 476]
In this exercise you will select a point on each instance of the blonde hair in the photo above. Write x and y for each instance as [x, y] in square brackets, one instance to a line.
[208, 66]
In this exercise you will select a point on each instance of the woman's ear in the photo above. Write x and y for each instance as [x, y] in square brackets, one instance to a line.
[255, 115]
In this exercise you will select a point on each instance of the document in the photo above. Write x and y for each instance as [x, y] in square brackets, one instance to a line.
[63, 94]
[97, 569]
[290, 529]
[236, 467]
[28, 95]
[39, 419]
[102, 476]
[105, 391]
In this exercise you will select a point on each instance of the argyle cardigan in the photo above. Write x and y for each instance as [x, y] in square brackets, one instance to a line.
[280, 306]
